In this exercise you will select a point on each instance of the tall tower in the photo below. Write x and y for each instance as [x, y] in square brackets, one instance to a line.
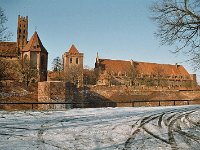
[22, 32]
[73, 66]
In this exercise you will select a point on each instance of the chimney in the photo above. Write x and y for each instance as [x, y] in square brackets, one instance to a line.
[97, 58]
[176, 65]
[131, 62]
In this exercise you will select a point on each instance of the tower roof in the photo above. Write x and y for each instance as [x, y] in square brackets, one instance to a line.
[34, 44]
[73, 49]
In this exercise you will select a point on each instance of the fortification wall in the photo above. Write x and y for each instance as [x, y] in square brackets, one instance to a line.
[118, 96]
[53, 91]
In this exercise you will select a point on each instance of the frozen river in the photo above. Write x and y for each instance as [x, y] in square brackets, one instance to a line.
[153, 128]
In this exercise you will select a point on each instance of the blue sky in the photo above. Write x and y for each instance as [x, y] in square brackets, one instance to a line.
[116, 29]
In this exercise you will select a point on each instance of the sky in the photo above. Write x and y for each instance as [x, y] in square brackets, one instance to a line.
[116, 29]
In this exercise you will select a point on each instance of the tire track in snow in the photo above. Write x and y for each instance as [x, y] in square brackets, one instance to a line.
[173, 125]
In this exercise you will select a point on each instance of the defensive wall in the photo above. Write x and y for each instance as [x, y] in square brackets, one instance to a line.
[116, 96]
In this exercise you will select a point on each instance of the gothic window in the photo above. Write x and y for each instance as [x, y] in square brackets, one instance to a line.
[24, 31]
[76, 60]
[26, 59]
[19, 30]
[70, 60]
[23, 37]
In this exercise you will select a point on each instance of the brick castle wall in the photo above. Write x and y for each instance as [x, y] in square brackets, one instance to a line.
[51, 91]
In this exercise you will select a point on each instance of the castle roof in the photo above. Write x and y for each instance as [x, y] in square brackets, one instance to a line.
[34, 44]
[144, 68]
[73, 49]
[8, 49]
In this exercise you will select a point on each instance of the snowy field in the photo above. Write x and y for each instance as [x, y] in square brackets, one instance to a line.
[154, 128]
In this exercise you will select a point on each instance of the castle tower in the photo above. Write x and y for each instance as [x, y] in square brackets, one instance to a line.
[22, 32]
[73, 66]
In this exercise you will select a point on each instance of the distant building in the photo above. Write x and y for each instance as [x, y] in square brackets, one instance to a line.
[73, 66]
[121, 72]
[32, 50]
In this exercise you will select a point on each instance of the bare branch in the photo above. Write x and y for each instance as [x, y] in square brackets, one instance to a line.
[178, 24]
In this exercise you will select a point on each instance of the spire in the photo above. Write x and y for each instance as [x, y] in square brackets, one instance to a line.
[73, 49]
[97, 58]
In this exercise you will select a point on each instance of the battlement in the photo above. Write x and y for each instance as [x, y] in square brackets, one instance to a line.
[22, 18]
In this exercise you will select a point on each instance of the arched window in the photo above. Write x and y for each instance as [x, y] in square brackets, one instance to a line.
[76, 60]
[70, 60]
[26, 57]
[26, 60]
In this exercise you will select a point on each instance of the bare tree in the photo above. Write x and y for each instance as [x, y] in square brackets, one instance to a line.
[10, 69]
[74, 75]
[4, 34]
[27, 72]
[133, 73]
[179, 24]
[89, 76]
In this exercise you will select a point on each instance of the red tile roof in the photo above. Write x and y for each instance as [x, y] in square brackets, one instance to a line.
[8, 49]
[73, 49]
[144, 68]
[34, 44]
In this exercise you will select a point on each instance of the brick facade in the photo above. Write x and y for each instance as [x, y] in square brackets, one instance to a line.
[121, 72]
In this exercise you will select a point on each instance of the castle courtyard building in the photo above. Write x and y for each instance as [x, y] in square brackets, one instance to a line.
[122, 72]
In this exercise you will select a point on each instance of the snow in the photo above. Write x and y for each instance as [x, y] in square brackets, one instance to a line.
[153, 128]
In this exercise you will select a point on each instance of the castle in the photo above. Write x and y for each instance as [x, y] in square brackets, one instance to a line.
[31, 53]
[109, 72]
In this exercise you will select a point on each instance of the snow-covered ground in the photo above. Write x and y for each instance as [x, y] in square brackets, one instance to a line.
[141, 128]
